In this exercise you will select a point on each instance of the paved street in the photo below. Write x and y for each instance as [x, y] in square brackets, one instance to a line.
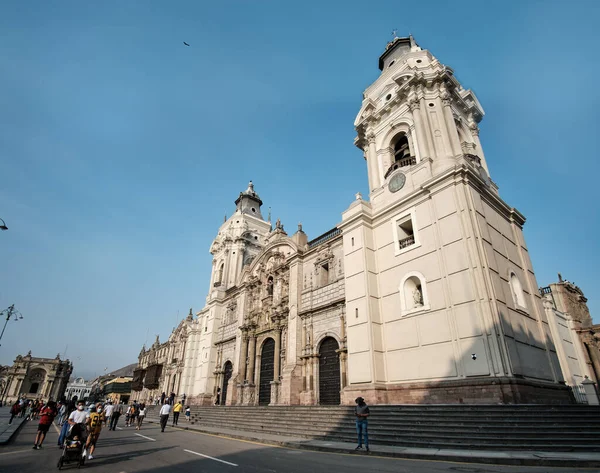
[150, 451]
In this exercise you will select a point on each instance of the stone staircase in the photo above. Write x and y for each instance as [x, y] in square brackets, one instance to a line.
[567, 428]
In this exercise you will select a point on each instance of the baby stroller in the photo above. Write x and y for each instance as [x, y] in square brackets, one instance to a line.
[73, 446]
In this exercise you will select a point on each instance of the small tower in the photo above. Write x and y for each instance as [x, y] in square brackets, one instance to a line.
[238, 240]
[249, 203]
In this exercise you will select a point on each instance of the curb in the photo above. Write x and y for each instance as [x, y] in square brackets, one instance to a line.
[9, 433]
[469, 456]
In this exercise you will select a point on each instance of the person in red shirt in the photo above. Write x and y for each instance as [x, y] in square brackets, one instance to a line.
[47, 414]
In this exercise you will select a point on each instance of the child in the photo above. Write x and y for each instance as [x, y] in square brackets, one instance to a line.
[74, 443]
[188, 413]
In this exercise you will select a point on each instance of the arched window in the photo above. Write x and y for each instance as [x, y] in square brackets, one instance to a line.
[401, 148]
[270, 286]
[413, 293]
[403, 156]
[517, 291]
[219, 276]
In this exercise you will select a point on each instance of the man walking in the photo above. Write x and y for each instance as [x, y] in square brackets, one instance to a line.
[177, 408]
[164, 415]
[108, 412]
[361, 411]
[14, 411]
[117, 411]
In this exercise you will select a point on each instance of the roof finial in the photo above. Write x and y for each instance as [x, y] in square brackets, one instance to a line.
[225, 218]
[269, 217]
[394, 33]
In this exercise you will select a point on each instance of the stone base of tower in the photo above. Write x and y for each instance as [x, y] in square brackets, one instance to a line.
[469, 391]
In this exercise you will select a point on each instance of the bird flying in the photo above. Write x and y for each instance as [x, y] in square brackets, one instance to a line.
[185, 43]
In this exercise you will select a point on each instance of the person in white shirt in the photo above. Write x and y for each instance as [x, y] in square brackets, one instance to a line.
[80, 416]
[164, 415]
[141, 416]
[108, 411]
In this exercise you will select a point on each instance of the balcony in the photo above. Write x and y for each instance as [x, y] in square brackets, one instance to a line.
[402, 163]
[406, 242]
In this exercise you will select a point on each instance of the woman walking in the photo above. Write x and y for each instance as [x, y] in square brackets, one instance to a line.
[141, 414]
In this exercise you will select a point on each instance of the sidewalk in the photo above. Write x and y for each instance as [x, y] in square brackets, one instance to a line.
[8, 430]
[526, 458]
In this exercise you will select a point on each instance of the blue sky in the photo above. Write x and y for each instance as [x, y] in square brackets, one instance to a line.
[121, 149]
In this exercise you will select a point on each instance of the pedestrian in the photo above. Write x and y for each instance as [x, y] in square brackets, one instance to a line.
[164, 415]
[117, 411]
[188, 413]
[69, 422]
[62, 413]
[141, 415]
[361, 411]
[47, 414]
[183, 399]
[108, 412]
[177, 408]
[172, 398]
[218, 397]
[95, 422]
[14, 411]
[162, 398]
[135, 410]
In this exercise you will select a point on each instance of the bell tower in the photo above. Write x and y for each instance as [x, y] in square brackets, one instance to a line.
[441, 296]
[239, 239]
[416, 114]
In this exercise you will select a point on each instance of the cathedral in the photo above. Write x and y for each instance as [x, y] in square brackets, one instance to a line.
[424, 293]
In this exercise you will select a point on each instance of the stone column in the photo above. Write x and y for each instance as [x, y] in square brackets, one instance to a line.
[415, 108]
[244, 358]
[252, 359]
[372, 163]
[427, 129]
[315, 377]
[276, 369]
[449, 119]
[344, 369]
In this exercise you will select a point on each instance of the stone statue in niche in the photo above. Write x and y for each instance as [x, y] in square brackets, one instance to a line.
[417, 297]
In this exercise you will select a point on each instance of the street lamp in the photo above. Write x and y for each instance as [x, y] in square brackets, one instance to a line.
[9, 313]
[3, 226]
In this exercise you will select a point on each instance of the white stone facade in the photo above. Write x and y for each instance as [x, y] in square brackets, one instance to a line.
[423, 293]
[79, 389]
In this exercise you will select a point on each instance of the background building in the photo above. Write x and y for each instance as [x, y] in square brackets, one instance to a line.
[578, 338]
[78, 389]
[38, 378]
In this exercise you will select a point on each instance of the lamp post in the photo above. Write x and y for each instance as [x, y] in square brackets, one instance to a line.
[10, 311]
[3, 225]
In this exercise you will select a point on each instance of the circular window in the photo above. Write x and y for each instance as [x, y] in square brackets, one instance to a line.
[431, 104]
[419, 61]
[391, 63]
[256, 238]
[389, 96]
[253, 209]
[237, 221]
